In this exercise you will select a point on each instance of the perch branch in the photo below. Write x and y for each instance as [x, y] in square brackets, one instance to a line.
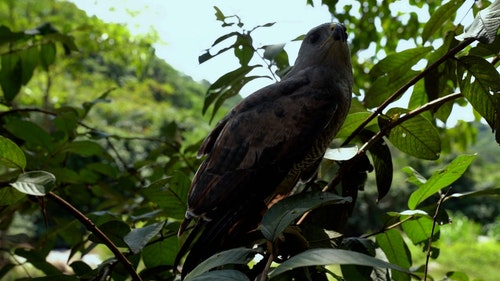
[98, 233]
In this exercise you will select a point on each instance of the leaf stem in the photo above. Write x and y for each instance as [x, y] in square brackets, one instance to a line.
[97, 232]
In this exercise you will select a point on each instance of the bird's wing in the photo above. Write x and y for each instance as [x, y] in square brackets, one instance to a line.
[252, 149]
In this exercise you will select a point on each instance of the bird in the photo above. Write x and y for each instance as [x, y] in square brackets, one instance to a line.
[265, 145]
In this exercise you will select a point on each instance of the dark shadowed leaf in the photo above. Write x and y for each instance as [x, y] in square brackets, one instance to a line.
[382, 162]
[38, 261]
[441, 179]
[329, 257]
[233, 256]
[37, 183]
[160, 253]
[396, 251]
[84, 148]
[485, 26]
[222, 275]
[47, 54]
[29, 61]
[7, 36]
[10, 195]
[285, 211]
[137, 238]
[11, 74]
[34, 135]
[443, 14]
[11, 155]
[115, 230]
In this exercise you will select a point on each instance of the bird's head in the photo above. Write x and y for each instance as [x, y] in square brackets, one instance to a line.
[325, 45]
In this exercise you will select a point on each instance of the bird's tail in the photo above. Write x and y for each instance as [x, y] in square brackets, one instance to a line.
[225, 231]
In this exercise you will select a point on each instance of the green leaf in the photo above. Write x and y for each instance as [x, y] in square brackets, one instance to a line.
[285, 211]
[160, 253]
[398, 63]
[37, 183]
[227, 86]
[417, 136]
[441, 179]
[419, 230]
[222, 275]
[11, 74]
[233, 256]
[385, 86]
[170, 194]
[444, 13]
[139, 237]
[485, 26]
[481, 80]
[10, 195]
[396, 251]
[315, 257]
[243, 49]
[414, 177]
[29, 61]
[47, 54]
[353, 121]
[7, 36]
[30, 132]
[11, 155]
[84, 148]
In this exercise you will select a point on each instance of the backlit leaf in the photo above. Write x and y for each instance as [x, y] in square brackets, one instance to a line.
[11, 155]
[37, 183]
[480, 85]
[398, 63]
[419, 230]
[441, 179]
[396, 251]
[417, 136]
[444, 13]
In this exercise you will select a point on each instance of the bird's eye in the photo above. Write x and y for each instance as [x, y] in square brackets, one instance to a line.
[313, 38]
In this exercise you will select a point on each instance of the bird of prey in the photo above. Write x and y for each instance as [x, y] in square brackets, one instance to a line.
[267, 143]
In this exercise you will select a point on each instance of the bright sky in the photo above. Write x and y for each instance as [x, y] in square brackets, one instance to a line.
[187, 27]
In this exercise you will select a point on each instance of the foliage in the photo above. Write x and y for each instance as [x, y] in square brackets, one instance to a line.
[89, 158]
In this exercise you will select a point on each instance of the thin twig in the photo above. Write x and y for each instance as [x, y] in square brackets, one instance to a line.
[263, 276]
[388, 227]
[434, 222]
[98, 233]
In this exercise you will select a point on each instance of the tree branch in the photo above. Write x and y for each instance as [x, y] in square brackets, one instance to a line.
[98, 233]
[410, 83]
[383, 131]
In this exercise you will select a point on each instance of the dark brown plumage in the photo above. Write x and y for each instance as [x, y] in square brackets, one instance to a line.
[267, 143]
